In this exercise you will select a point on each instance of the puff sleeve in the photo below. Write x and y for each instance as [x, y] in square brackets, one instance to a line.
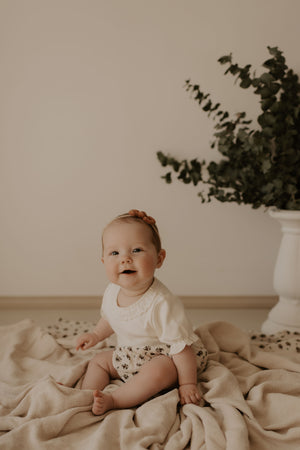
[171, 323]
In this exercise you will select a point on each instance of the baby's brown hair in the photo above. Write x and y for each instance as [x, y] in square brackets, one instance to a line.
[134, 215]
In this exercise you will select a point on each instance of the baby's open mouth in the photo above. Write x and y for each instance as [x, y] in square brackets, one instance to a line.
[128, 272]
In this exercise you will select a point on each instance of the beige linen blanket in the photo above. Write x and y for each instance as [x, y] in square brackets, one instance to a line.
[251, 387]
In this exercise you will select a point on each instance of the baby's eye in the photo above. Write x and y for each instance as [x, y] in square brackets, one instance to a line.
[136, 250]
[114, 253]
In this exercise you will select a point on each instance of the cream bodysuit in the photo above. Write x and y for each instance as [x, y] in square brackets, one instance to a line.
[155, 324]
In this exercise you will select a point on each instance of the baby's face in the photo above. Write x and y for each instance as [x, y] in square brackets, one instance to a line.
[129, 256]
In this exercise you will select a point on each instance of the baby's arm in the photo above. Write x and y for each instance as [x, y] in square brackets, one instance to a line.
[186, 365]
[101, 331]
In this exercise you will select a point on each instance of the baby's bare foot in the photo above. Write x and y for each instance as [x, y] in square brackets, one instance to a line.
[102, 403]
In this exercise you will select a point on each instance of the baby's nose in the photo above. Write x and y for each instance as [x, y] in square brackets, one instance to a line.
[127, 259]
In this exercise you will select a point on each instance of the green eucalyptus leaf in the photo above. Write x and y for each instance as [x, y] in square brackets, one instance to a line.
[225, 59]
[267, 103]
[162, 159]
[267, 78]
[266, 165]
[207, 106]
[167, 177]
[257, 166]
[245, 83]
[255, 82]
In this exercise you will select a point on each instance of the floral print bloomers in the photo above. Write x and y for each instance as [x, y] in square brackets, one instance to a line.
[128, 360]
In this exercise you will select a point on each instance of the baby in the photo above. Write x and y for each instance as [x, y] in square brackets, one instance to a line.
[156, 346]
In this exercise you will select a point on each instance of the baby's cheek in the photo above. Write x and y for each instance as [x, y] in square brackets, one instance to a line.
[149, 266]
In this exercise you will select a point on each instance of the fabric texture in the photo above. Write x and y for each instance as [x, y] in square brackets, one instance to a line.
[157, 317]
[252, 397]
[128, 360]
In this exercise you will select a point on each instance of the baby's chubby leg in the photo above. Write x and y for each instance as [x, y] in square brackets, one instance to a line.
[155, 375]
[100, 371]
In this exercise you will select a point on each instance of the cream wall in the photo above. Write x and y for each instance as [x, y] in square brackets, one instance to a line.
[89, 91]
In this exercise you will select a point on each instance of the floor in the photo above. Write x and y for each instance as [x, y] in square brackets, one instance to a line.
[246, 319]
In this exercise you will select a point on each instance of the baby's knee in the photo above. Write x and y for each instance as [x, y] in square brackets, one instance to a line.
[100, 360]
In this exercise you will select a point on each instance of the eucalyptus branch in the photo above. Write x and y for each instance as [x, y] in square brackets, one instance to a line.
[258, 166]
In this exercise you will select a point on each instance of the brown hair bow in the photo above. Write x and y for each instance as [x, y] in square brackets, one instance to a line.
[142, 215]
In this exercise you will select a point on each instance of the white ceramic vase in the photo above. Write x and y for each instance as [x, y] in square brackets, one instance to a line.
[286, 313]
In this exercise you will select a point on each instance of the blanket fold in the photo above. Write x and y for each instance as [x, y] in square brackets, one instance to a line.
[251, 388]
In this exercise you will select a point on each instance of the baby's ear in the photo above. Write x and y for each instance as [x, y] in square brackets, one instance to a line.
[102, 259]
[160, 258]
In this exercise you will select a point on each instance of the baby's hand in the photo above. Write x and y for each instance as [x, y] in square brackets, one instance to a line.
[188, 393]
[86, 341]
